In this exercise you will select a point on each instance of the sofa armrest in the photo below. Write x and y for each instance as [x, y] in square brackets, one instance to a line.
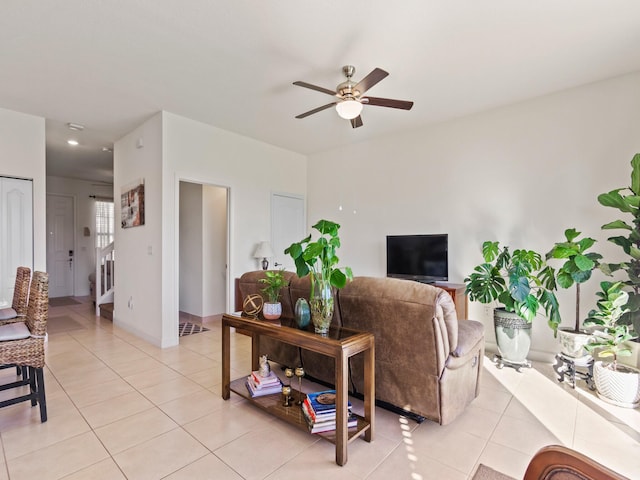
[469, 332]
[470, 341]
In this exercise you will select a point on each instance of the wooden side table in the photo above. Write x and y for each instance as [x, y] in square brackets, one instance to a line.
[340, 344]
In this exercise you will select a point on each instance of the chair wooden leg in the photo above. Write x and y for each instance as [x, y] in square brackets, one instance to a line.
[33, 386]
[42, 400]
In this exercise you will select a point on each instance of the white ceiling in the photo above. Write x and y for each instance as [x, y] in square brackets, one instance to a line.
[110, 65]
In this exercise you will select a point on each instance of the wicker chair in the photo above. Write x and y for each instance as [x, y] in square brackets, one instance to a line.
[28, 353]
[18, 308]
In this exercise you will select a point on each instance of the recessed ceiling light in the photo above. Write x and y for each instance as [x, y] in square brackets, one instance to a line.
[75, 126]
[107, 149]
[72, 142]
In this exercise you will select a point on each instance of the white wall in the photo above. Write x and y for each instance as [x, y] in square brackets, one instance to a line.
[191, 264]
[85, 253]
[194, 151]
[176, 148]
[22, 155]
[138, 275]
[521, 174]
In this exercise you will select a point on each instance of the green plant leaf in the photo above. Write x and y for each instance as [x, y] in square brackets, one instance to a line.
[338, 279]
[635, 174]
[584, 263]
[490, 251]
[565, 280]
[615, 200]
[571, 234]
[616, 224]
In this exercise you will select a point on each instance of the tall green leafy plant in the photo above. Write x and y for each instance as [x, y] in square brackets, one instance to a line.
[320, 257]
[520, 281]
[577, 267]
[627, 201]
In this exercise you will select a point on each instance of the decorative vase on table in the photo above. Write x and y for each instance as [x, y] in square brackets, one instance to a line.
[272, 310]
[302, 313]
[321, 304]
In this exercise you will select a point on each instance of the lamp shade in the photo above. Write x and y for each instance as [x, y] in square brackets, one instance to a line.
[263, 250]
[349, 108]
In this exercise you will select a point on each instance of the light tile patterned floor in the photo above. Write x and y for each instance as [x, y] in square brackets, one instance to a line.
[122, 408]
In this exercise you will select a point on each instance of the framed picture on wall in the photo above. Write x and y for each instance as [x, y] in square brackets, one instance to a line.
[132, 205]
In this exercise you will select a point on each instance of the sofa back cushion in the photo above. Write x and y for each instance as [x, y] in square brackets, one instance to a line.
[374, 304]
[250, 283]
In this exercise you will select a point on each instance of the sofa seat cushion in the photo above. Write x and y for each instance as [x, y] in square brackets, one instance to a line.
[14, 331]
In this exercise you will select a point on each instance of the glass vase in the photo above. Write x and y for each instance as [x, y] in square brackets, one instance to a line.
[321, 304]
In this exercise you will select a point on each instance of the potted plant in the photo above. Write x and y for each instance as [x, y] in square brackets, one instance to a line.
[616, 383]
[627, 201]
[576, 269]
[274, 281]
[523, 284]
[319, 259]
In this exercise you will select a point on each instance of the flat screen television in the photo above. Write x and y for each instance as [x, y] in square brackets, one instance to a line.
[418, 257]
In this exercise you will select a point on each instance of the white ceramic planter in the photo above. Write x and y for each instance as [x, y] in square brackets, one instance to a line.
[272, 311]
[621, 388]
[572, 343]
[513, 335]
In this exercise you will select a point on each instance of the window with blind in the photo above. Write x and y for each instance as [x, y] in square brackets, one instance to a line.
[105, 226]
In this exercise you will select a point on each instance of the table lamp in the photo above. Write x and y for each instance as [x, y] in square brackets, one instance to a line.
[264, 251]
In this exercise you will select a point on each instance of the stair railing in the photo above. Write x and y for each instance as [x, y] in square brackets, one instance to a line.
[105, 275]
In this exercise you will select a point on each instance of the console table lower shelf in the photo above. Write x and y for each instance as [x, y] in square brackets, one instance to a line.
[292, 414]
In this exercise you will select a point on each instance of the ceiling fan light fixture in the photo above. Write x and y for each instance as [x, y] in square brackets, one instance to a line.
[349, 108]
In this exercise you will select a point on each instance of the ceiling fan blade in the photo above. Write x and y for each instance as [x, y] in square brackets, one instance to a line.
[316, 88]
[370, 80]
[356, 122]
[316, 110]
[387, 102]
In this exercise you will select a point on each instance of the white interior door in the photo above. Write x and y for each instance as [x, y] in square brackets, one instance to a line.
[288, 225]
[16, 233]
[60, 245]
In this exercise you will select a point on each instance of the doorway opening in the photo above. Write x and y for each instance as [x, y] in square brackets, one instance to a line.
[203, 246]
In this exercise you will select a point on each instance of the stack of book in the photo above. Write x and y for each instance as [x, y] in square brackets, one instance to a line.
[259, 386]
[319, 409]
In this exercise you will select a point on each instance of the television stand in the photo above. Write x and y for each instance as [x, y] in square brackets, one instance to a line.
[459, 296]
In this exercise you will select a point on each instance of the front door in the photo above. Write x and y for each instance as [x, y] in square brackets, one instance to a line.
[60, 245]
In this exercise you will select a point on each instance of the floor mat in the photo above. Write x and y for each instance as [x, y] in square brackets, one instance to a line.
[62, 324]
[486, 473]
[188, 328]
[62, 301]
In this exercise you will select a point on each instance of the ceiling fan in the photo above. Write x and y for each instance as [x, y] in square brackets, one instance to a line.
[350, 96]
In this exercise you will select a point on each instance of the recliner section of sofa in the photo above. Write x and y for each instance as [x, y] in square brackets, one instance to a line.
[427, 361]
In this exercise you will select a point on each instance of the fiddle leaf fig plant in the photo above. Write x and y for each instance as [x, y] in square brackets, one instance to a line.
[627, 201]
[577, 267]
[520, 281]
[610, 338]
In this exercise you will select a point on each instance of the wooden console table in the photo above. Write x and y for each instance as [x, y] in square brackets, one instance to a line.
[340, 344]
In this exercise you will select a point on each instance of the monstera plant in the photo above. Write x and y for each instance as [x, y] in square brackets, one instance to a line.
[524, 285]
